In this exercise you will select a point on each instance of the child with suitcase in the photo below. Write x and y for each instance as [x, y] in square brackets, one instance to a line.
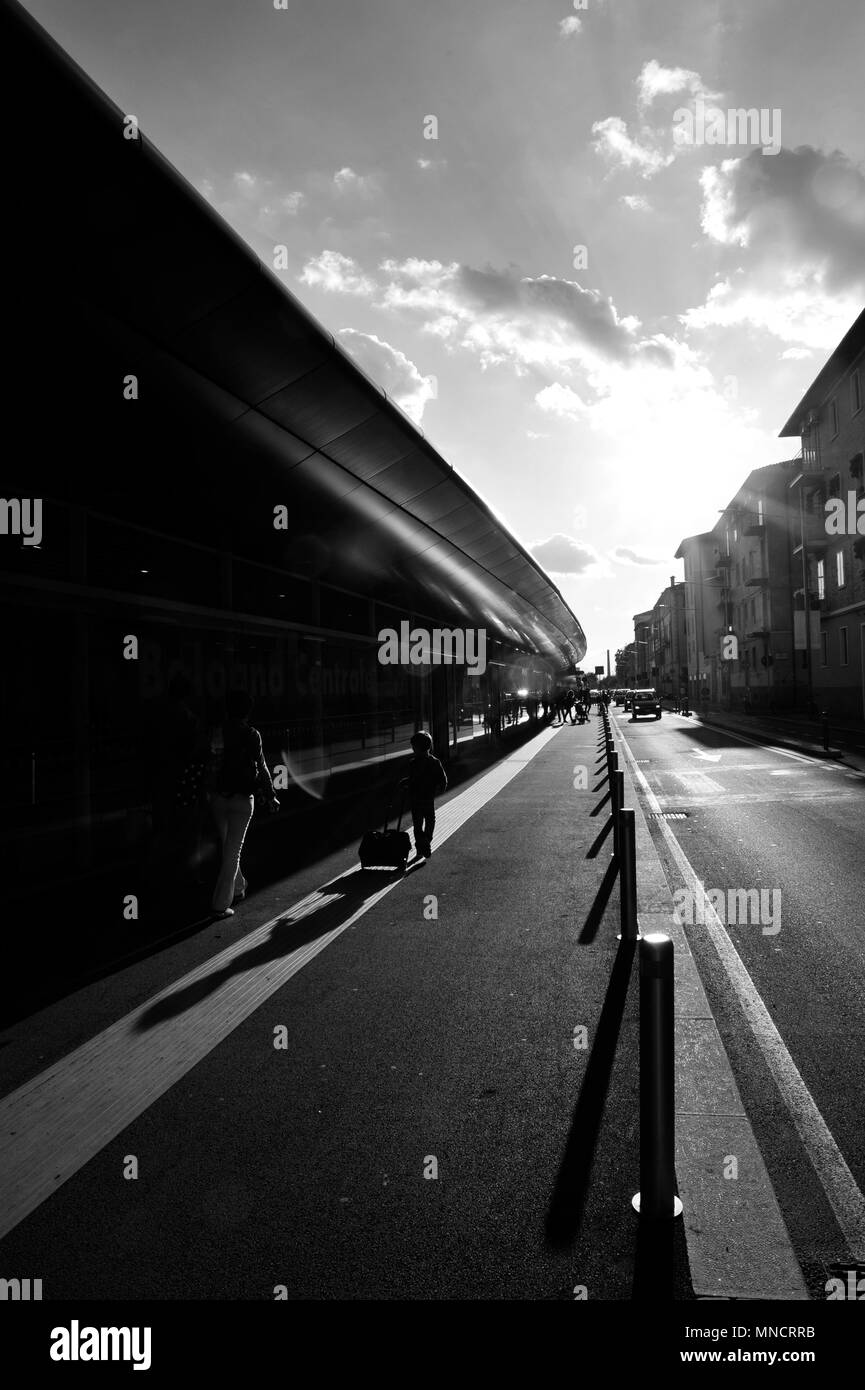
[426, 780]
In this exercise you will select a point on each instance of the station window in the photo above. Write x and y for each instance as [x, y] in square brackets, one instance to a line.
[342, 612]
[833, 419]
[844, 651]
[256, 589]
[824, 649]
[839, 569]
[855, 394]
[821, 578]
[759, 511]
[389, 617]
[23, 524]
[128, 560]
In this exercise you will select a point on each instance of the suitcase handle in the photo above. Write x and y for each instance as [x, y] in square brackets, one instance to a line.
[401, 809]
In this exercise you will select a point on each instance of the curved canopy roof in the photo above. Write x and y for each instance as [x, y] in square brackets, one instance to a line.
[175, 287]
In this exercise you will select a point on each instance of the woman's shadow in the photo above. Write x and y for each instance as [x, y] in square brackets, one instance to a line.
[338, 901]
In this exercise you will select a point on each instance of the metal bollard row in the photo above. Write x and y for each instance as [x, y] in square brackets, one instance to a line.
[657, 1199]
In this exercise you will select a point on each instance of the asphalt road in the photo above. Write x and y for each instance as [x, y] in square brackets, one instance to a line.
[748, 817]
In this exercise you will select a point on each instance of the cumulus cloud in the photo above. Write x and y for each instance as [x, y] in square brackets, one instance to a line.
[563, 555]
[797, 225]
[655, 80]
[346, 181]
[623, 556]
[431, 164]
[504, 317]
[652, 146]
[336, 273]
[570, 26]
[254, 203]
[395, 372]
[636, 202]
[561, 400]
[621, 150]
[292, 203]
[803, 203]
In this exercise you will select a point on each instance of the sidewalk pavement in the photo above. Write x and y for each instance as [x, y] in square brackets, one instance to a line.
[846, 741]
[478, 1011]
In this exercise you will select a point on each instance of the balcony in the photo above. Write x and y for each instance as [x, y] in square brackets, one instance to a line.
[808, 469]
[756, 581]
[813, 537]
[815, 602]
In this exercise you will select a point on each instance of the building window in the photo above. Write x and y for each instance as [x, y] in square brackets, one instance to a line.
[839, 568]
[824, 649]
[821, 578]
[843, 646]
[833, 419]
[855, 394]
[759, 511]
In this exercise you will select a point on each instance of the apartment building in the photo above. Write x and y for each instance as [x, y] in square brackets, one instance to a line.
[669, 669]
[703, 622]
[738, 610]
[659, 643]
[827, 514]
[643, 647]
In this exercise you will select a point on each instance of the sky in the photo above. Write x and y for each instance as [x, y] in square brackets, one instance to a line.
[598, 294]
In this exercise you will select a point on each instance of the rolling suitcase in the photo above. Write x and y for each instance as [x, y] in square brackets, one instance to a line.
[385, 849]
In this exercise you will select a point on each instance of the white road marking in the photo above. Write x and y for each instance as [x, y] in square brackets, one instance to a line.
[836, 1179]
[60, 1119]
[697, 783]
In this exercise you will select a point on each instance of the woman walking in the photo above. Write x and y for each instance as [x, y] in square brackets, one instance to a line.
[241, 772]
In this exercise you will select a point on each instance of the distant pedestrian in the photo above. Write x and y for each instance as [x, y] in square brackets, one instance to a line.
[239, 772]
[425, 781]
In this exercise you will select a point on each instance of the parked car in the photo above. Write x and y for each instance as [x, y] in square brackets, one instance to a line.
[645, 702]
[619, 696]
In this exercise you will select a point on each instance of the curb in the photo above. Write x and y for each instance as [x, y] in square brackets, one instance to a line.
[738, 1244]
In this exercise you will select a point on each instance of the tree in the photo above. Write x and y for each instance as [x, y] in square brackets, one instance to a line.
[626, 662]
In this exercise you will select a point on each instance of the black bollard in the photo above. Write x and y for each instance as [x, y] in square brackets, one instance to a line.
[618, 804]
[627, 876]
[656, 1199]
